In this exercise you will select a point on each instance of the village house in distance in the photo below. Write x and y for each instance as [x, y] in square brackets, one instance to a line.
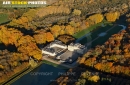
[63, 53]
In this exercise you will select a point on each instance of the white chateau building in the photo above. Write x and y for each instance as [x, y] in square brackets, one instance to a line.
[54, 48]
[63, 52]
[77, 47]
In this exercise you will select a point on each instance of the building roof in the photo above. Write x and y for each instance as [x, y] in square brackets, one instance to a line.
[69, 55]
[77, 45]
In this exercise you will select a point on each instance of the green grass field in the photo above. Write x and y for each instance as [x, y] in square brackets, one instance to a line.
[95, 33]
[102, 40]
[3, 18]
[91, 28]
[53, 64]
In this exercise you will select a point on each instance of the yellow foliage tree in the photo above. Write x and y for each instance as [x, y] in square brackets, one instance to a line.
[62, 30]
[40, 37]
[111, 17]
[9, 36]
[1, 67]
[96, 18]
[69, 30]
[27, 46]
[76, 12]
[55, 30]
[94, 78]
[25, 40]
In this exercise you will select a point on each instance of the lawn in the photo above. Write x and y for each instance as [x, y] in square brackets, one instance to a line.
[3, 18]
[95, 33]
[53, 64]
[91, 28]
[102, 40]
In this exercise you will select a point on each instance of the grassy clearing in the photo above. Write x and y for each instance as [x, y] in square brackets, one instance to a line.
[3, 18]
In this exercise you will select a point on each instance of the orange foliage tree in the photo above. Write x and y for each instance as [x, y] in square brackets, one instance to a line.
[111, 17]
[96, 18]
[69, 30]
[40, 37]
[49, 37]
[9, 36]
[27, 46]
[98, 66]
[55, 30]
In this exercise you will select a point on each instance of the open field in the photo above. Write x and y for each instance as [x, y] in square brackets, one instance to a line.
[101, 40]
[95, 33]
[110, 30]
[89, 29]
[3, 18]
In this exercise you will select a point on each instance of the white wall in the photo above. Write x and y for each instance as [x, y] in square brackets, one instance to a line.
[60, 46]
[49, 53]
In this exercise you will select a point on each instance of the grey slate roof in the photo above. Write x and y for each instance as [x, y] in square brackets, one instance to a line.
[69, 55]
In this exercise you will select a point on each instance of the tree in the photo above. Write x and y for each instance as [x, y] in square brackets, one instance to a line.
[111, 17]
[40, 37]
[98, 66]
[25, 20]
[96, 18]
[1, 67]
[49, 37]
[69, 30]
[82, 60]
[66, 38]
[10, 35]
[94, 78]
[27, 46]
[26, 40]
[76, 12]
[55, 30]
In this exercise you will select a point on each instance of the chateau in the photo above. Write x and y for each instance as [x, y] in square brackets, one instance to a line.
[64, 53]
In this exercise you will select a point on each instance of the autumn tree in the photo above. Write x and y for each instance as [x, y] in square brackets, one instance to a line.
[49, 37]
[25, 20]
[52, 10]
[96, 18]
[55, 30]
[40, 36]
[27, 46]
[1, 67]
[69, 30]
[98, 66]
[76, 12]
[66, 38]
[9, 36]
[112, 16]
